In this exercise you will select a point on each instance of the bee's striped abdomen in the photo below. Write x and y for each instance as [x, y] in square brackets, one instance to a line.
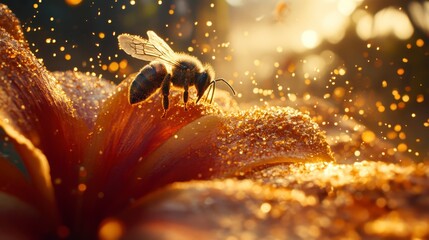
[147, 82]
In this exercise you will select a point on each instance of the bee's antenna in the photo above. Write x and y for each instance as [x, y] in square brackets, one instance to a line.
[229, 85]
[214, 87]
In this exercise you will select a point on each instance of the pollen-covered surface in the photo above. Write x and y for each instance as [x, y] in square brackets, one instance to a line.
[296, 201]
[349, 140]
[265, 136]
[11, 24]
[88, 93]
[27, 89]
[131, 151]
[231, 144]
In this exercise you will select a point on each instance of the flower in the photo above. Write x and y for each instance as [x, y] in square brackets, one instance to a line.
[89, 153]
[90, 164]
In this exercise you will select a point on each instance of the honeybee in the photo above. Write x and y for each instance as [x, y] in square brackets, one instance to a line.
[166, 67]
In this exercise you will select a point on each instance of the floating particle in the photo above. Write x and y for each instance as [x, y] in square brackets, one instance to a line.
[73, 2]
[209, 23]
[420, 42]
[111, 229]
[123, 64]
[368, 136]
[397, 128]
[381, 108]
[256, 62]
[402, 147]
[339, 92]
[357, 153]
[265, 207]
[113, 67]
[81, 187]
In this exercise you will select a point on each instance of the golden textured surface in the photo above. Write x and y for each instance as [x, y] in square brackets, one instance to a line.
[212, 172]
[366, 200]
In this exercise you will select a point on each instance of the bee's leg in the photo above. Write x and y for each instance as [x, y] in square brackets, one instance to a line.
[185, 94]
[165, 89]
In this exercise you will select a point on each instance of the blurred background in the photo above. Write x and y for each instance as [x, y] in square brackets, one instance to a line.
[369, 59]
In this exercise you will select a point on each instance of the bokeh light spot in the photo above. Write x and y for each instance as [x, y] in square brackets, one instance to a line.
[113, 67]
[110, 229]
[310, 39]
[368, 136]
[420, 42]
[73, 2]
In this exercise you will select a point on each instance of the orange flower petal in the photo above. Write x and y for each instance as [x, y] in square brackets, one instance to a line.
[38, 191]
[49, 113]
[219, 209]
[125, 134]
[14, 182]
[11, 24]
[219, 146]
[298, 200]
[18, 220]
[87, 93]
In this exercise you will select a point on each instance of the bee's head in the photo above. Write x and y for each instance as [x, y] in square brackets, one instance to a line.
[206, 80]
[203, 81]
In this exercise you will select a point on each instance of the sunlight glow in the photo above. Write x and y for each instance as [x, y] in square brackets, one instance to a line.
[310, 39]
[385, 22]
[364, 27]
[420, 14]
[235, 3]
[391, 20]
[346, 7]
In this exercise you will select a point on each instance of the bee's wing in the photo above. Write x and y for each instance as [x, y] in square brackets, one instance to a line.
[148, 50]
